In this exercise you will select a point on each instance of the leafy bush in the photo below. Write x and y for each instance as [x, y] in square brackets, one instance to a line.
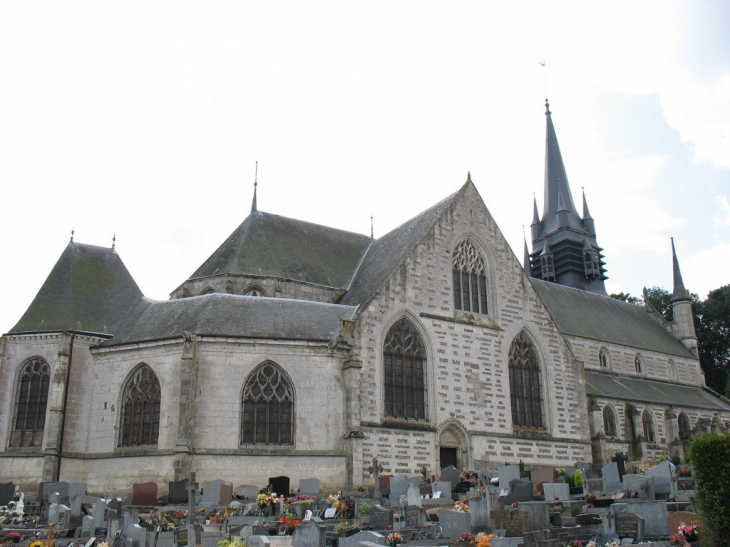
[364, 508]
[711, 470]
[675, 459]
[575, 510]
[578, 478]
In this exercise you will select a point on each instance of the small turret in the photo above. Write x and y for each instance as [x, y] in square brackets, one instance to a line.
[588, 223]
[536, 226]
[547, 264]
[683, 326]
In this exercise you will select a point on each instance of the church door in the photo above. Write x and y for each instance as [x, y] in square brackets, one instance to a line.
[448, 457]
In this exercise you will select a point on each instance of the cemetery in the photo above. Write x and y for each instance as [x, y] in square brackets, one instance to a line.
[619, 503]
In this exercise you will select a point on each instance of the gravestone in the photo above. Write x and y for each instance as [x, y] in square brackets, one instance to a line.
[258, 541]
[541, 476]
[640, 483]
[398, 486]
[114, 509]
[309, 487]
[413, 516]
[520, 490]
[60, 487]
[506, 541]
[513, 521]
[144, 494]
[444, 488]
[665, 479]
[611, 478]
[454, 523]
[451, 474]
[246, 492]
[98, 511]
[311, 533]
[211, 492]
[7, 492]
[178, 492]
[620, 460]
[137, 535]
[413, 495]
[279, 485]
[654, 514]
[76, 490]
[88, 526]
[629, 525]
[479, 509]
[246, 531]
[64, 517]
[507, 474]
[538, 514]
[594, 487]
[364, 536]
[380, 517]
[226, 494]
[605, 539]
[556, 491]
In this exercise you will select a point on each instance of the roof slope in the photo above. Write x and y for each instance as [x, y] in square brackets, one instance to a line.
[88, 289]
[384, 256]
[276, 246]
[596, 317]
[651, 391]
[230, 315]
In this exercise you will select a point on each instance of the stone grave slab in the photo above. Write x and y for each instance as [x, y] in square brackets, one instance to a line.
[226, 493]
[370, 543]
[7, 492]
[212, 492]
[88, 526]
[444, 488]
[413, 495]
[451, 474]
[398, 486]
[556, 491]
[514, 522]
[538, 514]
[380, 517]
[258, 541]
[138, 535]
[309, 487]
[479, 509]
[505, 542]
[311, 533]
[665, 478]
[629, 525]
[541, 476]
[507, 474]
[413, 516]
[177, 492]
[51, 487]
[247, 492]
[144, 494]
[611, 479]
[279, 485]
[454, 523]
[356, 539]
[641, 484]
[520, 490]
[594, 487]
[98, 511]
[76, 491]
[654, 514]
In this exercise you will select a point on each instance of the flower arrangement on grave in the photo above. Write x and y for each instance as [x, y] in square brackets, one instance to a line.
[15, 537]
[469, 477]
[467, 537]
[684, 471]
[461, 507]
[8, 512]
[290, 523]
[574, 543]
[333, 500]
[364, 509]
[686, 533]
[485, 540]
[423, 470]
[481, 490]
[237, 543]
[265, 500]
[37, 543]
[393, 539]
[299, 499]
[341, 528]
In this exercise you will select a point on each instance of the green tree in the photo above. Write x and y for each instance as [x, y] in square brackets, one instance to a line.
[626, 297]
[660, 301]
[711, 469]
[712, 323]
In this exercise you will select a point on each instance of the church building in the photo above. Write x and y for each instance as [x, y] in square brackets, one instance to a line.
[302, 350]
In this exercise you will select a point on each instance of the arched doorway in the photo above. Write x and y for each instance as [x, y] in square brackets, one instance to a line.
[453, 449]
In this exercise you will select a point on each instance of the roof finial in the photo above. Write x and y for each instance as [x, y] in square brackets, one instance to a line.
[371, 226]
[114, 241]
[547, 108]
[254, 208]
[468, 176]
[72, 235]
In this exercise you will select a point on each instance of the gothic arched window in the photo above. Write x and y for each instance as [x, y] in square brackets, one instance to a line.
[648, 424]
[609, 422]
[638, 363]
[31, 400]
[404, 360]
[524, 383]
[470, 278]
[604, 358]
[685, 426]
[268, 407]
[141, 408]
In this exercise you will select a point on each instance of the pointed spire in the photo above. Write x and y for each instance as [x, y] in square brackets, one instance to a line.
[679, 292]
[536, 226]
[254, 208]
[586, 212]
[588, 222]
[468, 176]
[556, 179]
[526, 258]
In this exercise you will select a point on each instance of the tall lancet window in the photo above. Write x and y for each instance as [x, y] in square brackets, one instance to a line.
[141, 408]
[404, 359]
[524, 383]
[609, 422]
[470, 278]
[268, 407]
[31, 400]
[647, 421]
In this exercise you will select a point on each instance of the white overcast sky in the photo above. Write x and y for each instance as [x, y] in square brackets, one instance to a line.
[145, 120]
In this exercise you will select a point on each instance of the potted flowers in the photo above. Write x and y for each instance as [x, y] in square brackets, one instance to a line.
[393, 539]
[462, 507]
[687, 534]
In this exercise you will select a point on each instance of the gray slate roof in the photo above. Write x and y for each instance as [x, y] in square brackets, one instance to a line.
[89, 289]
[589, 315]
[652, 392]
[229, 315]
[388, 252]
[276, 246]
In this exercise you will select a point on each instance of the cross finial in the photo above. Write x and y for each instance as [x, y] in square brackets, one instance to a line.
[254, 208]
[371, 226]
[72, 235]
[114, 241]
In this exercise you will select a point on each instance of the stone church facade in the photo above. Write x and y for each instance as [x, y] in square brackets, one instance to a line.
[302, 350]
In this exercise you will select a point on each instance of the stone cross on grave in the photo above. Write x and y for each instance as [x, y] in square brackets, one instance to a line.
[192, 488]
[375, 470]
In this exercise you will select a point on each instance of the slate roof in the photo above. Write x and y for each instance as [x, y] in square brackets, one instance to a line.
[89, 289]
[275, 246]
[652, 392]
[229, 315]
[388, 252]
[589, 315]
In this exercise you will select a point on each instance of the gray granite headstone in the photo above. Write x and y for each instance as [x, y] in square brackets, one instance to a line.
[538, 514]
[138, 535]
[7, 492]
[356, 539]
[380, 517]
[53, 509]
[398, 486]
[131, 516]
[247, 492]
[451, 474]
[454, 523]
[665, 478]
[507, 474]
[640, 484]
[520, 490]
[311, 533]
[178, 492]
[413, 495]
[246, 531]
[654, 514]
[444, 488]
[88, 526]
[212, 491]
[64, 517]
[629, 525]
[98, 511]
[309, 487]
[594, 487]
[611, 480]
[51, 487]
[413, 516]
[76, 490]
[258, 541]
[556, 491]
[479, 509]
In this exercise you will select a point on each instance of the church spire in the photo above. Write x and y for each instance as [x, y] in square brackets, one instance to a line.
[526, 257]
[679, 292]
[683, 326]
[254, 208]
[588, 223]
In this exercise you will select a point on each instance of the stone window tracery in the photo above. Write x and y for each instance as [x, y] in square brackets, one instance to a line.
[31, 400]
[609, 422]
[404, 360]
[524, 383]
[141, 408]
[470, 278]
[268, 407]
